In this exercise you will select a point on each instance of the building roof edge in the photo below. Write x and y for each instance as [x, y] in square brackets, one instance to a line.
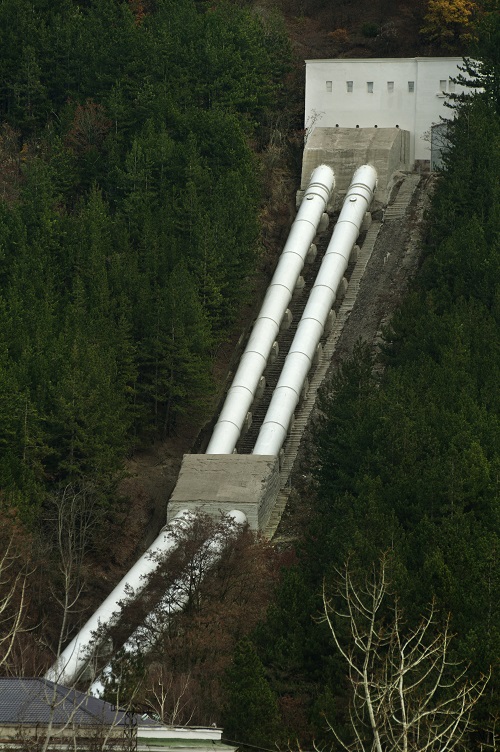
[382, 59]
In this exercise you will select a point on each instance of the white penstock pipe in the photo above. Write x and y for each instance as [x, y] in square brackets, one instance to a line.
[300, 356]
[253, 361]
[144, 637]
[81, 650]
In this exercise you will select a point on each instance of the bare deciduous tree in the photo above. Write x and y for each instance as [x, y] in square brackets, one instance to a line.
[407, 695]
[13, 589]
[167, 695]
[207, 594]
[492, 741]
[73, 516]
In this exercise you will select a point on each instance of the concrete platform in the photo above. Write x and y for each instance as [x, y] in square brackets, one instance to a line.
[345, 149]
[215, 483]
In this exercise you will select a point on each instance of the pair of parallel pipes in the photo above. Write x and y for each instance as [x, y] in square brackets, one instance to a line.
[81, 651]
[267, 325]
[174, 600]
[311, 326]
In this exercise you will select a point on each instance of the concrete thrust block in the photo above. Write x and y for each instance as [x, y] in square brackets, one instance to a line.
[311, 253]
[324, 222]
[286, 320]
[275, 351]
[215, 483]
[345, 149]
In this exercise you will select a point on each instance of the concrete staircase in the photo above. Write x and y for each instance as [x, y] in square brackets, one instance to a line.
[397, 209]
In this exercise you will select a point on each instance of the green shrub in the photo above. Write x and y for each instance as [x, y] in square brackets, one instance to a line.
[370, 29]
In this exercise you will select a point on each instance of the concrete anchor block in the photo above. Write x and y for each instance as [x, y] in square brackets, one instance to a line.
[311, 253]
[215, 483]
[354, 254]
[275, 351]
[259, 392]
[323, 222]
[286, 320]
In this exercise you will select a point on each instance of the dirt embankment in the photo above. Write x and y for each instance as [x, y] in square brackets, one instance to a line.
[393, 263]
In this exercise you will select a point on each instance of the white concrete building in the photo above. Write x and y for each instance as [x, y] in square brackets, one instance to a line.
[408, 93]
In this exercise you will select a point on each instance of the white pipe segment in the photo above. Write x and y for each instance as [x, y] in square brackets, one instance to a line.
[253, 361]
[144, 637]
[80, 651]
[298, 361]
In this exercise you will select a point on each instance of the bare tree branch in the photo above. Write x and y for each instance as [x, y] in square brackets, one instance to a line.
[14, 576]
[407, 696]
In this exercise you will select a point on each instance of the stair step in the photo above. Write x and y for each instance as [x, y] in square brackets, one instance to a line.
[400, 205]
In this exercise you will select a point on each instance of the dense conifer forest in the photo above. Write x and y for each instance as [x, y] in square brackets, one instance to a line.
[130, 190]
[128, 222]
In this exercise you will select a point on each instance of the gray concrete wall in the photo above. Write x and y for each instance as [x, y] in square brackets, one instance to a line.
[346, 149]
[215, 483]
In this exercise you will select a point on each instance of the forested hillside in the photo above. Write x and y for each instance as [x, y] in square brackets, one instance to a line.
[380, 28]
[132, 139]
[131, 184]
[128, 222]
[405, 470]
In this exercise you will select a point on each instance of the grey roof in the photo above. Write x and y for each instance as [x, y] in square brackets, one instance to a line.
[28, 701]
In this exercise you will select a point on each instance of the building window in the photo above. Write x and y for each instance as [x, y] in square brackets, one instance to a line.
[390, 86]
[451, 86]
[369, 87]
[350, 87]
[411, 86]
[442, 85]
[328, 85]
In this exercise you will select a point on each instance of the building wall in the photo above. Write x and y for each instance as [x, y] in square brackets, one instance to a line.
[381, 95]
[345, 149]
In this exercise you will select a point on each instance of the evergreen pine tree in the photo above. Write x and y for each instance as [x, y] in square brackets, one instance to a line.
[251, 715]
